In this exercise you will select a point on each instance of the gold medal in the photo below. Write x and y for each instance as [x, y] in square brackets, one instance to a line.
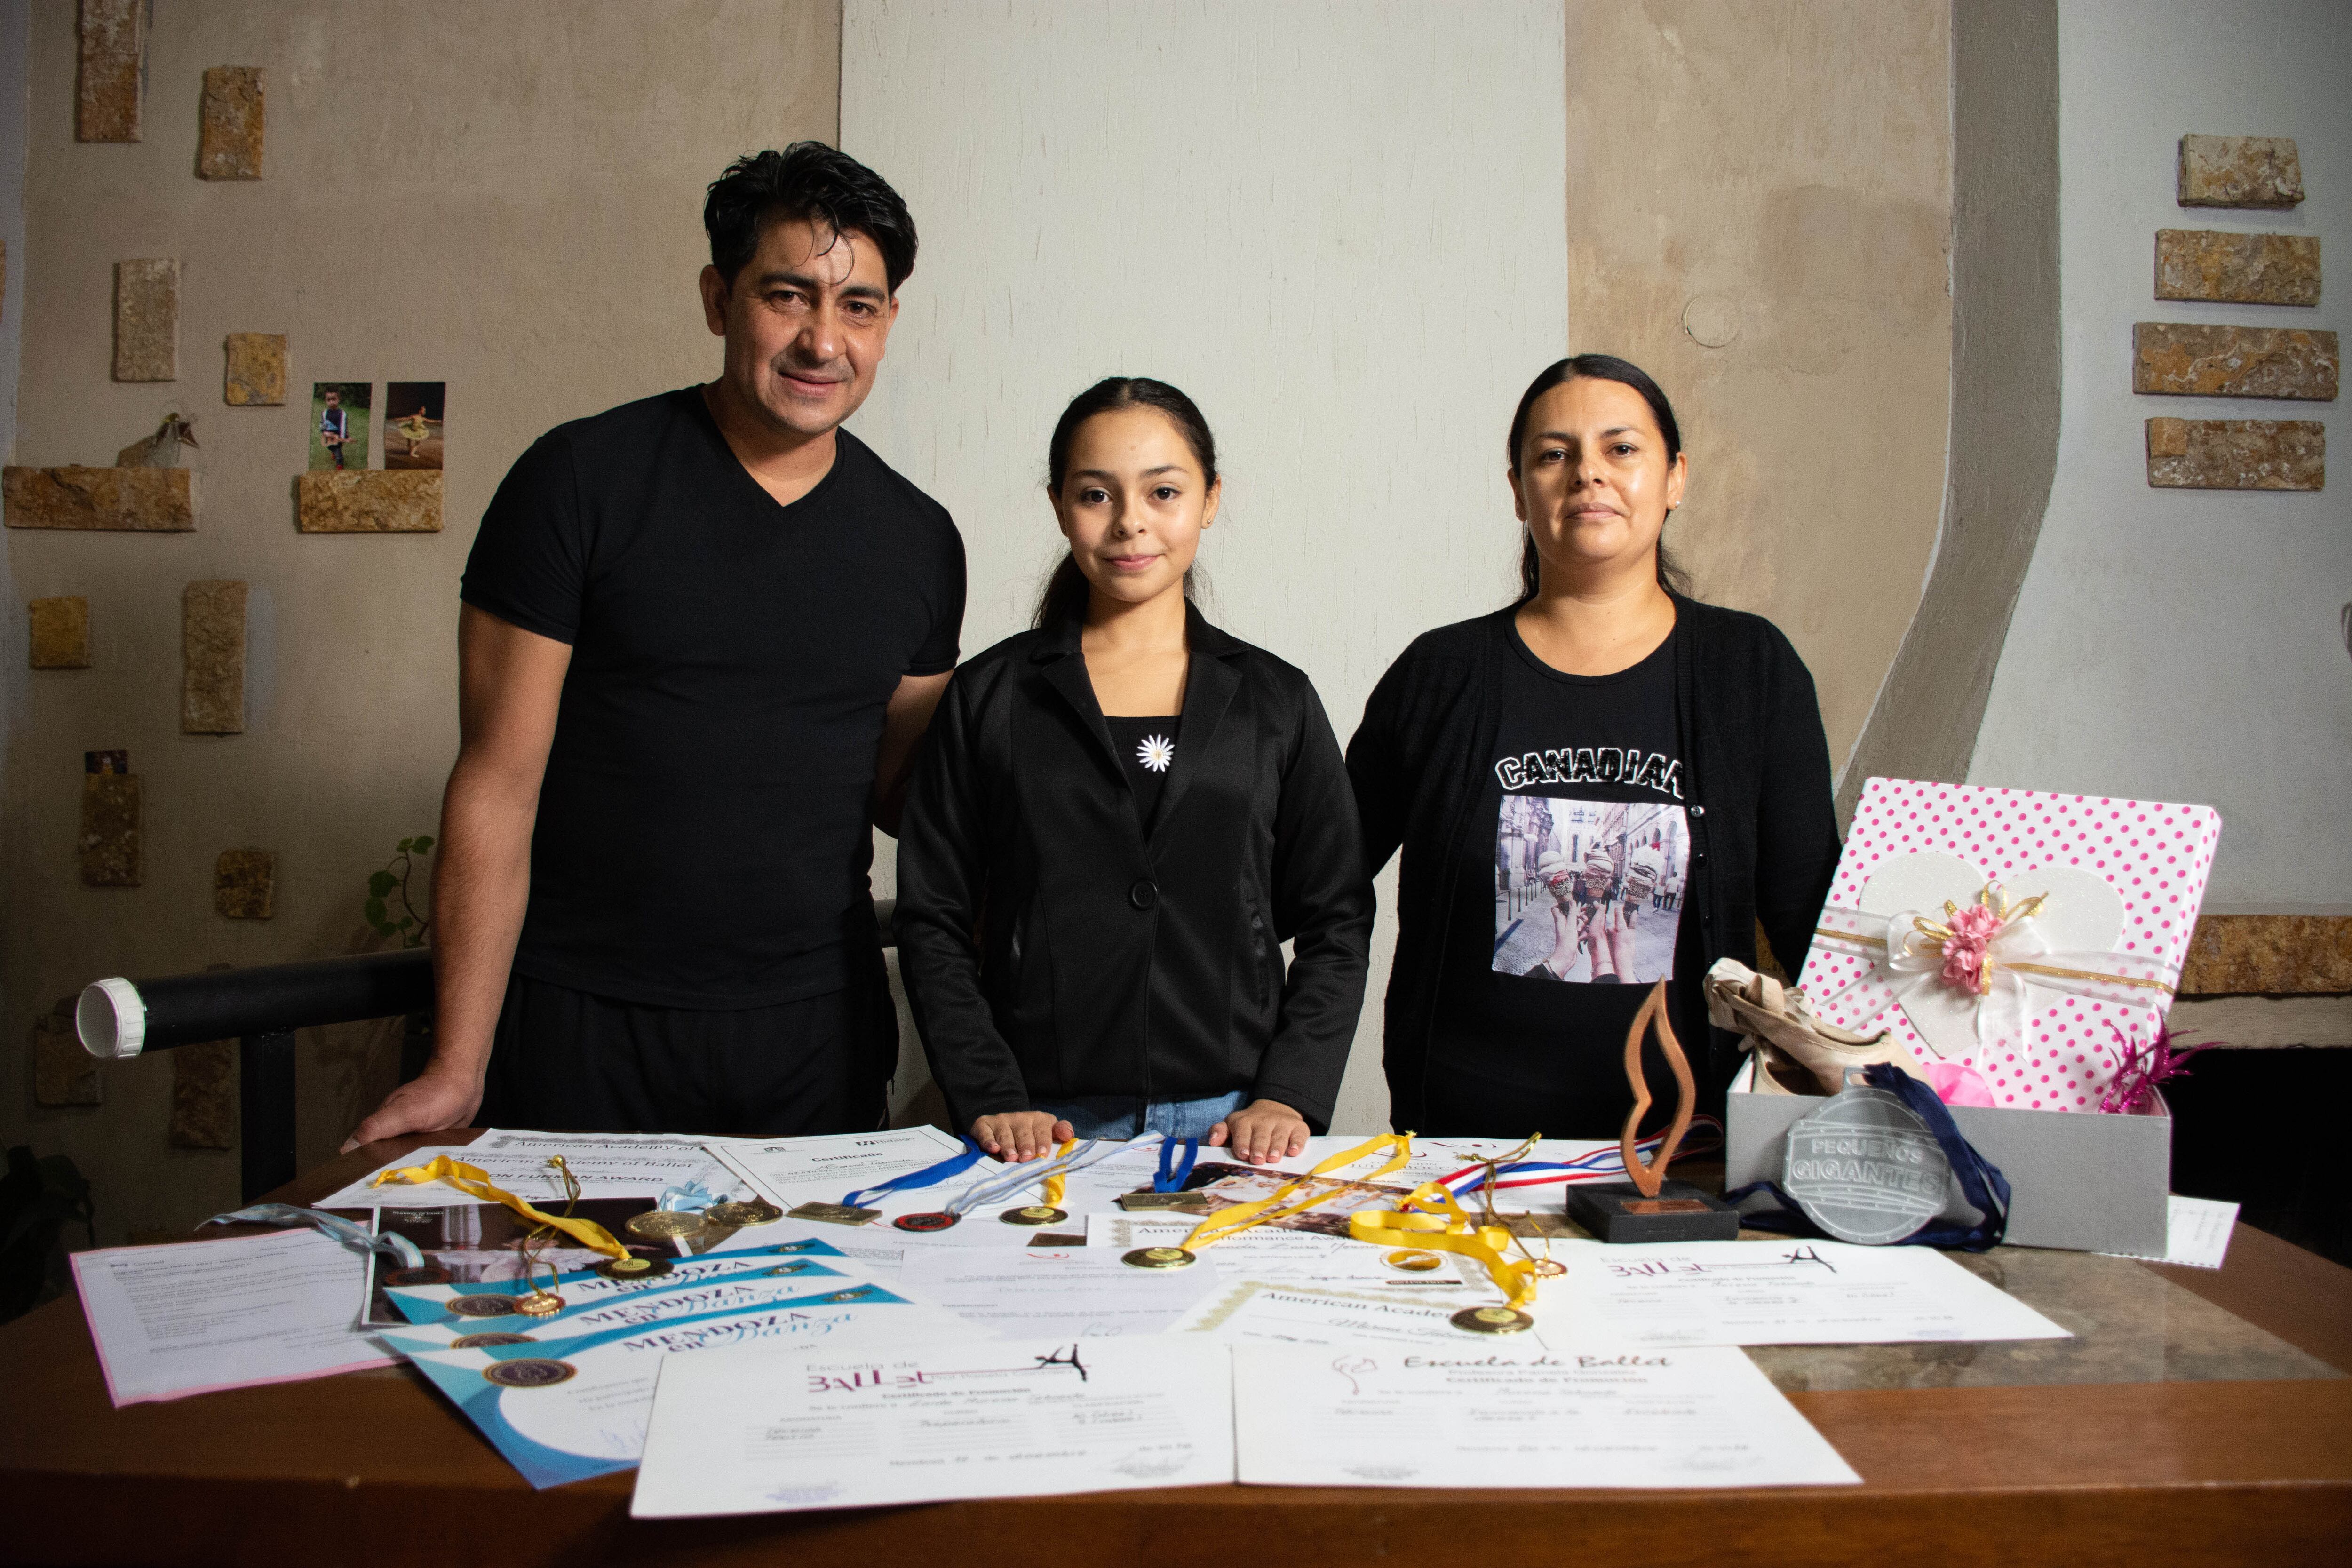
[479, 1305]
[1159, 1258]
[531, 1371]
[1491, 1319]
[632, 1268]
[835, 1214]
[1035, 1214]
[759, 1211]
[540, 1304]
[1413, 1262]
[665, 1225]
[1549, 1268]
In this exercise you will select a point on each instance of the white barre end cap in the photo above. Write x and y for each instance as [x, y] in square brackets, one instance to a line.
[111, 1020]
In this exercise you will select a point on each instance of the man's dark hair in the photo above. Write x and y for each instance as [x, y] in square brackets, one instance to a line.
[811, 181]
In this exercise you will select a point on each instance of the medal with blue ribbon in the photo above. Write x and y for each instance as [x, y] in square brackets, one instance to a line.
[1071, 1157]
[853, 1208]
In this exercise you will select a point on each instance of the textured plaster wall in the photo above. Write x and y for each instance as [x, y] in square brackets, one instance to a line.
[504, 197]
[2187, 645]
[1337, 224]
[1788, 166]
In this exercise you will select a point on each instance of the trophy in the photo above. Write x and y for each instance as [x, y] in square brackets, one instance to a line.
[1649, 1208]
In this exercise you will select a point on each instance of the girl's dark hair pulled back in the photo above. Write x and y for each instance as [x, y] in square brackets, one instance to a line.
[1065, 595]
[1596, 367]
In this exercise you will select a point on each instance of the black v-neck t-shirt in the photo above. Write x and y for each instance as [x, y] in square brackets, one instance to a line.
[703, 833]
[1147, 751]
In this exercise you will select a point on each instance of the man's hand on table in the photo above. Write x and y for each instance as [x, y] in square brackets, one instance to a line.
[1015, 1136]
[426, 1103]
[1261, 1132]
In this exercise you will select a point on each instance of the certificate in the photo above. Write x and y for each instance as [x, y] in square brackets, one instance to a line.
[1516, 1415]
[608, 1165]
[790, 1171]
[197, 1316]
[1296, 1258]
[439, 1316]
[1044, 1293]
[562, 1409]
[1782, 1293]
[1307, 1315]
[759, 1434]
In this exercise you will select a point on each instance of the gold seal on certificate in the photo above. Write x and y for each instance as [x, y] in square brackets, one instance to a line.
[1412, 1261]
[531, 1371]
[759, 1211]
[835, 1214]
[1491, 1319]
[632, 1268]
[483, 1341]
[1034, 1214]
[663, 1225]
[497, 1306]
[1159, 1258]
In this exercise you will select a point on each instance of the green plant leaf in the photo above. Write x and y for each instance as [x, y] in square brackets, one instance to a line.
[423, 842]
[405, 922]
[401, 848]
[381, 884]
[385, 928]
[374, 911]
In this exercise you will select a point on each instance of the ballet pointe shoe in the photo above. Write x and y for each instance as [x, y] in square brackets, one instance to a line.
[1796, 1053]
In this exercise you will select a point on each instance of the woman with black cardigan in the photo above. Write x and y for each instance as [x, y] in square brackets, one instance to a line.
[1603, 784]
[1119, 818]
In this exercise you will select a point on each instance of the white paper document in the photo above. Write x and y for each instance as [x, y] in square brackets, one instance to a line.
[1294, 1258]
[2197, 1233]
[193, 1317]
[758, 1433]
[1505, 1414]
[1780, 1293]
[1046, 1293]
[608, 1165]
[1308, 1315]
[790, 1171]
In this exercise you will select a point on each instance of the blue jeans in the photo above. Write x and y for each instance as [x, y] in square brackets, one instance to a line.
[1122, 1116]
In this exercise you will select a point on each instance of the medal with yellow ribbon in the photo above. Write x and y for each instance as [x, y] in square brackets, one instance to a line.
[1279, 1205]
[1431, 1220]
[473, 1179]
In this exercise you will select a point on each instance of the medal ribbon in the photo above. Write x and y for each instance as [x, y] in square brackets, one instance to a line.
[1244, 1216]
[1173, 1182]
[474, 1180]
[1600, 1165]
[333, 1225]
[1446, 1228]
[929, 1176]
[1093, 1152]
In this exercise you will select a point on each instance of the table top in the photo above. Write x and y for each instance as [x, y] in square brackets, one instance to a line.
[2202, 1415]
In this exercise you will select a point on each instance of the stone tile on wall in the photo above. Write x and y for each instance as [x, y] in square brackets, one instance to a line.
[228, 146]
[63, 1073]
[203, 1095]
[60, 632]
[2239, 171]
[370, 500]
[108, 844]
[147, 320]
[2237, 269]
[245, 884]
[2197, 359]
[2278, 955]
[110, 78]
[136, 500]
[253, 373]
[2237, 454]
[212, 630]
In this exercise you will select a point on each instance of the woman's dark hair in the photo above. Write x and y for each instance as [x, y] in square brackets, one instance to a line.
[811, 181]
[1597, 367]
[1065, 595]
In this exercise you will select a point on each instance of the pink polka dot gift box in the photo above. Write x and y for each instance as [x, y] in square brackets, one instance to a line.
[2024, 946]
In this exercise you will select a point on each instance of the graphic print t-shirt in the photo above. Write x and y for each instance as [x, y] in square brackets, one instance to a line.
[1572, 913]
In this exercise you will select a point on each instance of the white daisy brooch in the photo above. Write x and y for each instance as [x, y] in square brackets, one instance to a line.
[1156, 753]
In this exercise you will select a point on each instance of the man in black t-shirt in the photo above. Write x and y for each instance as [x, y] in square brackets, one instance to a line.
[702, 635]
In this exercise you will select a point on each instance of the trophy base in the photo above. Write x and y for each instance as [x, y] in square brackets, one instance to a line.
[1619, 1212]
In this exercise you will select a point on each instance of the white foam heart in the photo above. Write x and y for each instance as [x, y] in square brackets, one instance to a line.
[2080, 913]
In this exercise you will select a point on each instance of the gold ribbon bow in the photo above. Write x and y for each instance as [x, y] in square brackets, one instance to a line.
[474, 1180]
[1444, 1226]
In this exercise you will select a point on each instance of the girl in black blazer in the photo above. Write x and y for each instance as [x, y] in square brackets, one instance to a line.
[1118, 818]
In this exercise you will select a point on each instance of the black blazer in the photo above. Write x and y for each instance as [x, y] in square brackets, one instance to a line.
[1755, 780]
[1051, 949]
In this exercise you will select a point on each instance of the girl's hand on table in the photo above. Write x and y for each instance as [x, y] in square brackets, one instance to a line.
[1261, 1132]
[1015, 1136]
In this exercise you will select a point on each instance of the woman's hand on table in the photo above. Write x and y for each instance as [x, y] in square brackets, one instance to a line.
[1261, 1132]
[1017, 1136]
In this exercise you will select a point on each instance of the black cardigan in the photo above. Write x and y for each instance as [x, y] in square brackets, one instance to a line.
[1052, 950]
[1755, 780]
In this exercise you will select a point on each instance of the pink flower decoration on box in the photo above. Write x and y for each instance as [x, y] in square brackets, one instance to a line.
[1972, 929]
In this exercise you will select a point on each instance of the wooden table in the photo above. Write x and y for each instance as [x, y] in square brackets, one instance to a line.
[373, 1468]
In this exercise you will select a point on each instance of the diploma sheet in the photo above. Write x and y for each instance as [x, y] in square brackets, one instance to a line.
[1048, 1293]
[754, 1433]
[1490, 1412]
[607, 1164]
[1780, 1293]
[791, 1171]
[1307, 1315]
[1294, 1257]
[195, 1316]
[2197, 1233]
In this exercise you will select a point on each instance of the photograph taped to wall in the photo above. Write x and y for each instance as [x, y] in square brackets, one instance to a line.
[412, 423]
[339, 424]
[1588, 891]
